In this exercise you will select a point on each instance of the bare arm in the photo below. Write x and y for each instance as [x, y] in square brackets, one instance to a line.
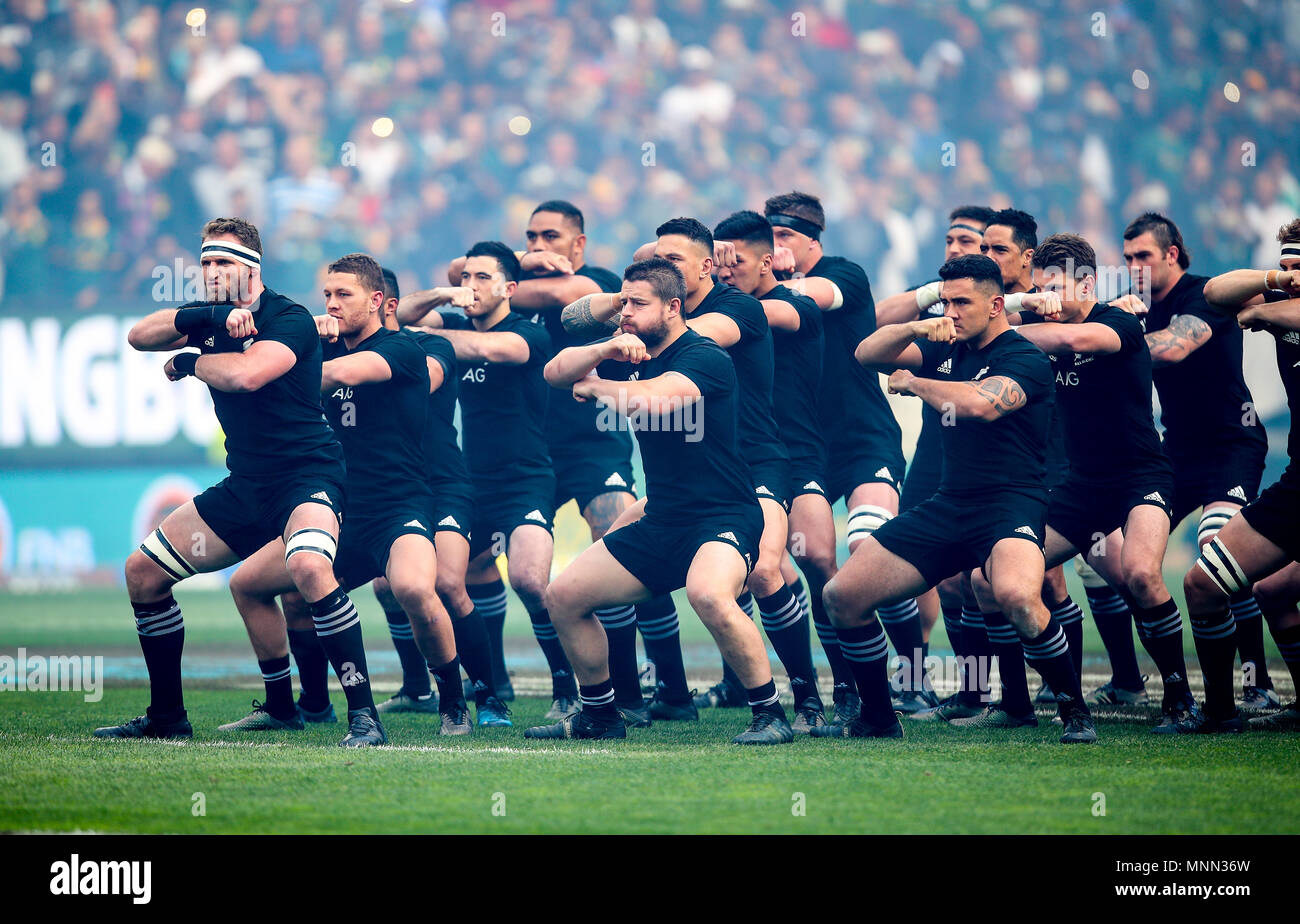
[1283, 315]
[719, 328]
[487, 346]
[988, 400]
[825, 293]
[1236, 289]
[897, 309]
[549, 292]
[1183, 336]
[355, 369]
[781, 315]
[157, 332]
[593, 314]
[418, 308]
[894, 346]
[644, 252]
[664, 394]
[262, 363]
[1057, 339]
[454, 270]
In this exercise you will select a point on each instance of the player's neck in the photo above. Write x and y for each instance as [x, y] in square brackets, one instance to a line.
[996, 329]
[255, 290]
[371, 326]
[666, 342]
[693, 300]
[1159, 295]
[765, 287]
[1084, 312]
[489, 321]
[807, 263]
[1023, 284]
[390, 322]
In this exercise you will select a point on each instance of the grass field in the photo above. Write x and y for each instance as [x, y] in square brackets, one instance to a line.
[671, 778]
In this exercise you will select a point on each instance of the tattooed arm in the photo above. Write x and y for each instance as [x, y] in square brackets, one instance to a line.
[988, 400]
[596, 314]
[1180, 339]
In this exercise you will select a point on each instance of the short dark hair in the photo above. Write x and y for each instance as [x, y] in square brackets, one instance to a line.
[390, 284]
[1062, 250]
[1024, 230]
[799, 204]
[981, 213]
[562, 207]
[1289, 233]
[1163, 230]
[747, 226]
[504, 256]
[364, 267]
[243, 231]
[974, 266]
[690, 228]
[666, 280]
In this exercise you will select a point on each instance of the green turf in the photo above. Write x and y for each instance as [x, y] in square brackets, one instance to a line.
[670, 778]
[674, 778]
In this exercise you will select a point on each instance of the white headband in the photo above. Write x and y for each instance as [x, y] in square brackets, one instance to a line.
[1290, 250]
[246, 255]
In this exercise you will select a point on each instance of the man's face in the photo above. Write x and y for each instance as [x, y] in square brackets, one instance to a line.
[645, 313]
[960, 242]
[483, 275]
[1290, 264]
[555, 233]
[970, 306]
[796, 242]
[346, 298]
[690, 257]
[1075, 294]
[753, 270]
[999, 246]
[225, 279]
[1149, 264]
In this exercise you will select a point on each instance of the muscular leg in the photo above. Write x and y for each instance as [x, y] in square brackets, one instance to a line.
[528, 567]
[466, 621]
[1245, 609]
[415, 676]
[1004, 641]
[1278, 594]
[254, 587]
[783, 618]
[812, 543]
[619, 622]
[412, 574]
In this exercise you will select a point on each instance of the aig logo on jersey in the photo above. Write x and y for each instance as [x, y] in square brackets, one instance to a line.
[476, 374]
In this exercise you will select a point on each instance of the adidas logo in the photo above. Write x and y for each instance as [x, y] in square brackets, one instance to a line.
[449, 521]
[763, 489]
[729, 536]
[885, 473]
[1027, 531]
[812, 486]
[211, 341]
[1155, 496]
[535, 515]
[247, 343]
[1238, 493]
[321, 495]
[945, 366]
[417, 524]
[979, 375]
[615, 480]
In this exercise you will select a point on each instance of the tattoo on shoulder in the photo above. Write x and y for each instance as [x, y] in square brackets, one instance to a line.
[578, 318]
[1184, 333]
[1005, 394]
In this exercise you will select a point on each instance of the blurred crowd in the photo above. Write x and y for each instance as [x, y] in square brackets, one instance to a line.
[124, 125]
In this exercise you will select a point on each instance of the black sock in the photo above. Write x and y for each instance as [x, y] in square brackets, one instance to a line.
[867, 651]
[841, 673]
[1011, 663]
[278, 678]
[562, 682]
[313, 669]
[598, 701]
[1070, 616]
[765, 699]
[339, 629]
[414, 680]
[1115, 625]
[1161, 630]
[475, 654]
[624, 672]
[787, 629]
[1250, 639]
[952, 626]
[1288, 644]
[902, 622]
[1049, 654]
[162, 639]
[979, 655]
[801, 594]
[490, 600]
[1215, 636]
[450, 690]
[657, 619]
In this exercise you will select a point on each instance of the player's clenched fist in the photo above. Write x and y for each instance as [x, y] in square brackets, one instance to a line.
[900, 382]
[936, 330]
[461, 296]
[626, 348]
[782, 259]
[327, 327]
[1047, 305]
[724, 253]
[239, 324]
[1132, 304]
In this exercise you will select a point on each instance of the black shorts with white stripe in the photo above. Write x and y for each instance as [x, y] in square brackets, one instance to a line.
[247, 513]
[1276, 515]
[364, 542]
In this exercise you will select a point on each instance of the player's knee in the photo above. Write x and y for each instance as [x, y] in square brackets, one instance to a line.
[1016, 601]
[411, 593]
[711, 603]
[1145, 583]
[1199, 589]
[531, 589]
[297, 614]
[452, 591]
[144, 579]
[836, 600]
[817, 563]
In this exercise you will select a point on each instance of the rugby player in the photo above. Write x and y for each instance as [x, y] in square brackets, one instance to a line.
[1263, 544]
[864, 442]
[1213, 439]
[503, 402]
[260, 357]
[375, 384]
[990, 509]
[702, 522]
[1115, 505]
